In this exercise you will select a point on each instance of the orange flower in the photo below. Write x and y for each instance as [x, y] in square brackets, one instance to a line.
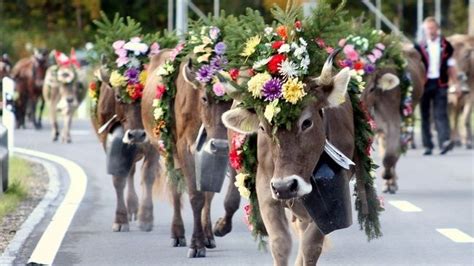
[157, 129]
[92, 86]
[281, 30]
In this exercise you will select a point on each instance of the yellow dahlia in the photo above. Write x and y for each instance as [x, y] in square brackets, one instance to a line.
[250, 46]
[240, 184]
[117, 80]
[293, 90]
[143, 76]
[256, 83]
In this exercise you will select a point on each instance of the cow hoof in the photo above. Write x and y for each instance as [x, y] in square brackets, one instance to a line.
[197, 253]
[145, 227]
[178, 242]
[55, 138]
[210, 243]
[222, 228]
[116, 227]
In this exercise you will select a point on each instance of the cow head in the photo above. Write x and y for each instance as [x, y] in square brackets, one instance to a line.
[67, 78]
[381, 86]
[211, 109]
[40, 65]
[127, 114]
[287, 158]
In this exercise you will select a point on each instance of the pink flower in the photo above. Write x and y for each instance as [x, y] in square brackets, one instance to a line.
[121, 52]
[381, 202]
[351, 53]
[247, 212]
[135, 39]
[237, 140]
[342, 42]
[377, 53]
[320, 43]
[372, 123]
[118, 44]
[154, 49]
[329, 50]
[176, 50]
[121, 61]
[371, 58]
[380, 46]
[408, 110]
[218, 89]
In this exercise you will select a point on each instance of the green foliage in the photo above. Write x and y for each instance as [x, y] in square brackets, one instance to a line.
[19, 181]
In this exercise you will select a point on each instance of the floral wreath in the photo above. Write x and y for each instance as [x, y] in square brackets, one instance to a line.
[130, 75]
[94, 93]
[210, 58]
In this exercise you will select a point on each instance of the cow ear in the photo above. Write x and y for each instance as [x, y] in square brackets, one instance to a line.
[339, 90]
[388, 82]
[189, 75]
[241, 120]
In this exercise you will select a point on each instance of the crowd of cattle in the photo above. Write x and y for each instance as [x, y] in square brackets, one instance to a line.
[62, 86]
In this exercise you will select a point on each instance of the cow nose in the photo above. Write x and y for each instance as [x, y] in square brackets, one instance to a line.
[69, 100]
[285, 189]
[136, 135]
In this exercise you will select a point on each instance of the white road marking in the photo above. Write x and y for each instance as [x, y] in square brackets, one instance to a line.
[456, 235]
[11, 252]
[404, 206]
[48, 246]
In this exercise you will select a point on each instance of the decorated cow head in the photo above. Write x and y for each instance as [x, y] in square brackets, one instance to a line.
[381, 86]
[287, 155]
[66, 75]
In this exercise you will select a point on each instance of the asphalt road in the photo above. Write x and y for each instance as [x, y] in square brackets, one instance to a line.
[440, 188]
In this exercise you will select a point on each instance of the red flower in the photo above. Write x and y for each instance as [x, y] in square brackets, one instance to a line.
[320, 42]
[234, 73]
[358, 65]
[235, 159]
[92, 86]
[160, 90]
[372, 123]
[275, 62]
[281, 30]
[298, 25]
[329, 50]
[277, 44]
[368, 149]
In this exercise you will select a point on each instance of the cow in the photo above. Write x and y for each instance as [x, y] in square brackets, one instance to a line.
[29, 74]
[120, 131]
[192, 106]
[287, 158]
[460, 105]
[64, 90]
[382, 97]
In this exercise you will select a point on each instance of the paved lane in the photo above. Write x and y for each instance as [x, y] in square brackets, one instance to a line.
[442, 187]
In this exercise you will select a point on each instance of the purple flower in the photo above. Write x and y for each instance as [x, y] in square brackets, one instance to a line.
[132, 74]
[348, 63]
[272, 89]
[205, 73]
[218, 62]
[369, 68]
[220, 48]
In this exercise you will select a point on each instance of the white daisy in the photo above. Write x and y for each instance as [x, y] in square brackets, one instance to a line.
[268, 30]
[288, 69]
[303, 42]
[285, 48]
[299, 52]
[305, 63]
[261, 63]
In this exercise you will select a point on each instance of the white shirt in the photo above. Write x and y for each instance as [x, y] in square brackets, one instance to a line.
[434, 52]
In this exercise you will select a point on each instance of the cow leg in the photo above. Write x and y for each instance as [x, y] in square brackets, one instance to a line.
[466, 120]
[453, 112]
[54, 122]
[273, 215]
[132, 199]
[311, 244]
[206, 221]
[150, 169]
[66, 132]
[121, 222]
[40, 114]
[301, 228]
[178, 238]
[231, 204]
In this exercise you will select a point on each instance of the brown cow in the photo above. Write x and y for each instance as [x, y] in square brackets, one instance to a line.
[382, 96]
[286, 160]
[29, 74]
[460, 105]
[63, 90]
[192, 107]
[119, 125]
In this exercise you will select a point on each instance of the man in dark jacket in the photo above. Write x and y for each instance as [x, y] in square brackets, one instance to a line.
[436, 53]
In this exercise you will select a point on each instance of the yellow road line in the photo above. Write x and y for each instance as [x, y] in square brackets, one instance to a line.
[456, 235]
[48, 246]
[404, 206]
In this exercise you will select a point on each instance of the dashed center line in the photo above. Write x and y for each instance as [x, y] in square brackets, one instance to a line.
[456, 235]
[404, 206]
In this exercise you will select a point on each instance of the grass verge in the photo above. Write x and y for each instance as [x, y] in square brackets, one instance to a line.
[20, 172]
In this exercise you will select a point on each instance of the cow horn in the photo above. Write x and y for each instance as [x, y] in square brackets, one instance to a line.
[326, 73]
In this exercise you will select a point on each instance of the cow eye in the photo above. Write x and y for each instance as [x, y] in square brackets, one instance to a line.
[306, 124]
[204, 99]
[262, 128]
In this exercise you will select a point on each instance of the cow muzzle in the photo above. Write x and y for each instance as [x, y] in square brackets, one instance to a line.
[289, 187]
[134, 136]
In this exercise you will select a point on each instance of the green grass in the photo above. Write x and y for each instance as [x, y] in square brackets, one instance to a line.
[20, 173]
